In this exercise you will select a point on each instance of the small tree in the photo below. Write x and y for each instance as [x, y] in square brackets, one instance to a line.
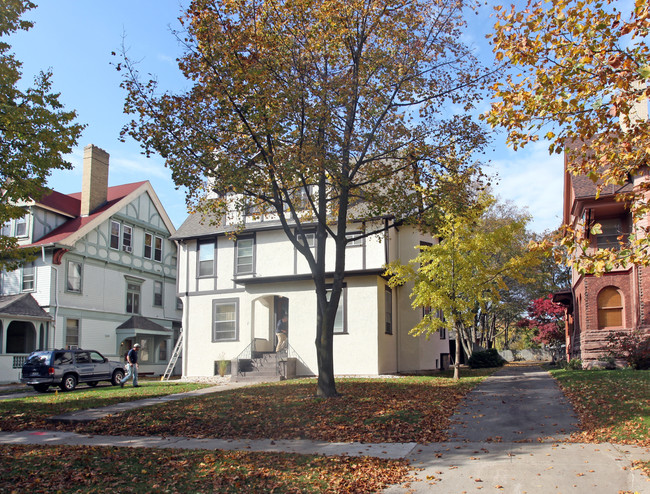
[631, 346]
[35, 134]
[465, 272]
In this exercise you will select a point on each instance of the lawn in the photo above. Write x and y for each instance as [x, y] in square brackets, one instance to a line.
[405, 409]
[103, 469]
[31, 412]
[613, 406]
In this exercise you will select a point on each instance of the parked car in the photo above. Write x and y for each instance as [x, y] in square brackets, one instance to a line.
[67, 368]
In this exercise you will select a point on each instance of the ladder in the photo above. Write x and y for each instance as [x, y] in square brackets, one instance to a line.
[172, 361]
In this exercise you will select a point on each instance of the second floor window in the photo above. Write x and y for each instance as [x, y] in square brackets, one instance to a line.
[73, 278]
[244, 255]
[206, 259]
[21, 227]
[133, 298]
[29, 276]
[611, 230]
[115, 234]
[389, 310]
[157, 249]
[127, 237]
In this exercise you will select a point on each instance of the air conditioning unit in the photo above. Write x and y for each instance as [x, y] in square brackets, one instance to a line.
[127, 248]
[73, 347]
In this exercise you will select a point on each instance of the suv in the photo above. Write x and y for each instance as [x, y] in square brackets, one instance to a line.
[66, 368]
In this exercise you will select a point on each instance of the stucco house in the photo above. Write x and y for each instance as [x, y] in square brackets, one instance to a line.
[104, 279]
[597, 306]
[235, 288]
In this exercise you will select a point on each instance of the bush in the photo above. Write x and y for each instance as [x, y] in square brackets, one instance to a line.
[631, 346]
[574, 364]
[486, 358]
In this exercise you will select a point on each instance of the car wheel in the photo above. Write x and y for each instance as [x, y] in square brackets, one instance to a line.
[41, 388]
[118, 375]
[69, 382]
[92, 384]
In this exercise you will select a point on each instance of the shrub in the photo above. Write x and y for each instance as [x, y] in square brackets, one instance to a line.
[631, 346]
[574, 364]
[486, 358]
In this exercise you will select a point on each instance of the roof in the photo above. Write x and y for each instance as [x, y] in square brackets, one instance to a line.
[22, 305]
[585, 188]
[77, 226]
[139, 322]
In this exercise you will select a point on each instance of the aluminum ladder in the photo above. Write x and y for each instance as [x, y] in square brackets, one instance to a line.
[172, 361]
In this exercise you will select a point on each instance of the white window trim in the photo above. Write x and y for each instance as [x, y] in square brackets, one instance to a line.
[67, 276]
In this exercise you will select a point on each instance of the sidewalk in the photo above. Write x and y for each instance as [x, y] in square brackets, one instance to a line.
[506, 438]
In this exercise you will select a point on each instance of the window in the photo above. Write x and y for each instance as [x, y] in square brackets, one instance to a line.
[132, 298]
[115, 234]
[157, 293]
[611, 229]
[389, 310]
[96, 358]
[6, 229]
[339, 320]
[148, 245]
[146, 350]
[610, 308]
[311, 239]
[162, 350]
[244, 259]
[225, 321]
[352, 240]
[73, 278]
[206, 258]
[127, 235]
[29, 275]
[21, 227]
[82, 358]
[157, 249]
[72, 333]
[179, 303]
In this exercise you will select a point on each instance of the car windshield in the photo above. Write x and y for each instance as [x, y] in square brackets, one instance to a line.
[38, 358]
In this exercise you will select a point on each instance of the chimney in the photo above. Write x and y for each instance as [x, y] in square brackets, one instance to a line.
[94, 186]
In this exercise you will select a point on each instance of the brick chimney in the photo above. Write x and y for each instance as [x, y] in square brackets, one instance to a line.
[94, 185]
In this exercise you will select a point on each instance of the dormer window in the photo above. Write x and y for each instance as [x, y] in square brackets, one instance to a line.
[21, 227]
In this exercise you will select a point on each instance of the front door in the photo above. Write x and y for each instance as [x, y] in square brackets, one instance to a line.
[280, 307]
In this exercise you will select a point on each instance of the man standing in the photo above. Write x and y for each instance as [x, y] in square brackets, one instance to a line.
[132, 366]
[281, 333]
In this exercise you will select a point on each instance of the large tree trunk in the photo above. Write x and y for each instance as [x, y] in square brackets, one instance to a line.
[326, 387]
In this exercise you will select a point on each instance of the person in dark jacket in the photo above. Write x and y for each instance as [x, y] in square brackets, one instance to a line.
[132, 366]
[281, 333]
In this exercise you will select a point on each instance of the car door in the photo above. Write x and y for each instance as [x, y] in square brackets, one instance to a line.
[101, 366]
[84, 366]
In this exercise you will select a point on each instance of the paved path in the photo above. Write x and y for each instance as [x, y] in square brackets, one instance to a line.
[505, 438]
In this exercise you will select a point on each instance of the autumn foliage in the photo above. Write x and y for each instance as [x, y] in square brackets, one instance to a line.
[545, 318]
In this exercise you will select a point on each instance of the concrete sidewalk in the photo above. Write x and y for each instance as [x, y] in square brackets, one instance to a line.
[506, 437]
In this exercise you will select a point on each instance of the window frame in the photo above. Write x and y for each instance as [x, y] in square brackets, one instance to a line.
[238, 242]
[24, 280]
[145, 246]
[68, 344]
[156, 293]
[158, 250]
[341, 310]
[602, 310]
[357, 243]
[135, 302]
[23, 220]
[213, 259]
[127, 238]
[225, 302]
[388, 310]
[67, 277]
[114, 238]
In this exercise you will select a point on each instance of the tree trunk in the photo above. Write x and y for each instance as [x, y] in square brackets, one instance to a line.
[326, 387]
[457, 357]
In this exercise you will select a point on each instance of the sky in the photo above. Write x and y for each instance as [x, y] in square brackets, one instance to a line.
[76, 38]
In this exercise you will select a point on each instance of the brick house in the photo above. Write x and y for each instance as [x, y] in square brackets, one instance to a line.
[597, 306]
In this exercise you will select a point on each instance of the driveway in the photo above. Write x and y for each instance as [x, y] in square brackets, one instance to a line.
[508, 437]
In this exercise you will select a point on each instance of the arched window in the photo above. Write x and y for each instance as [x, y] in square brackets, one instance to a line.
[610, 308]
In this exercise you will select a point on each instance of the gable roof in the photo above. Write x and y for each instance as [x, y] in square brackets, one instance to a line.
[78, 226]
[22, 305]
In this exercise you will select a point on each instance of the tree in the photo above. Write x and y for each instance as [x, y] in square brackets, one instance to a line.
[36, 133]
[579, 79]
[321, 112]
[465, 273]
[547, 320]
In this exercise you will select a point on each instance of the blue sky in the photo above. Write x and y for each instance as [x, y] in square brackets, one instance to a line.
[75, 39]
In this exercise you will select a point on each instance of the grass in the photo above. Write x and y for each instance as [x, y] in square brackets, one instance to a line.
[31, 412]
[409, 409]
[102, 469]
[613, 406]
